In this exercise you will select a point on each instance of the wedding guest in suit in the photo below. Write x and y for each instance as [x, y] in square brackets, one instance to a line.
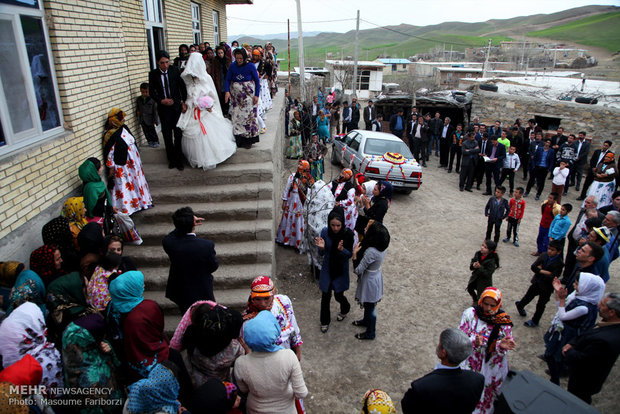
[397, 123]
[496, 154]
[369, 115]
[168, 90]
[583, 149]
[192, 261]
[591, 356]
[448, 389]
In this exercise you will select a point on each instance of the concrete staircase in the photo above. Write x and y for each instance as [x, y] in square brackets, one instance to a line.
[236, 199]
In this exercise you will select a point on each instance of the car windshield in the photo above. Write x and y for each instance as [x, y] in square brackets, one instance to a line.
[375, 146]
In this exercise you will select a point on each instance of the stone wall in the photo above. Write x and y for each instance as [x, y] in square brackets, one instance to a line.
[599, 122]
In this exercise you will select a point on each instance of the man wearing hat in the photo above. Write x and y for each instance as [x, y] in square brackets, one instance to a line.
[601, 236]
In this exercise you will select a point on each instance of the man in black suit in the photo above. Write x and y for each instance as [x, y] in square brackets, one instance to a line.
[496, 152]
[448, 389]
[583, 149]
[168, 90]
[355, 114]
[445, 139]
[470, 151]
[417, 134]
[591, 356]
[595, 160]
[192, 260]
[369, 115]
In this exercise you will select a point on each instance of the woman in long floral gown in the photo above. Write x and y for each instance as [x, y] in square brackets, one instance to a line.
[490, 331]
[291, 229]
[122, 159]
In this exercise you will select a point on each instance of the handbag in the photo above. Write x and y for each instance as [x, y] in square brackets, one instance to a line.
[127, 229]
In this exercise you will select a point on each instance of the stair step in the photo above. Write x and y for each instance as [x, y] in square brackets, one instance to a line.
[230, 276]
[227, 253]
[229, 210]
[216, 231]
[159, 175]
[158, 155]
[202, 194]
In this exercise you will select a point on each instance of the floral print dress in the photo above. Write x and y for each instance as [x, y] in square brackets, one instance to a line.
[243, 111]
[291, 229]
[495, 369]
[131, 191]
[97, 291]
[282, 309]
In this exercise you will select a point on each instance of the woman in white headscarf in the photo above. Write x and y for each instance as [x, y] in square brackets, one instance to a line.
[24, 332]
[207, 136]
[576, 314]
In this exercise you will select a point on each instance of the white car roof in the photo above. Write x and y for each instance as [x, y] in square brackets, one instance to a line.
[380, 135]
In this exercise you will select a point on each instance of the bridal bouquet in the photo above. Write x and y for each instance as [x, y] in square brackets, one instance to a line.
[204, 102]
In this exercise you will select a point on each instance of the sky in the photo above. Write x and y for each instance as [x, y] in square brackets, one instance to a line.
[269, 16]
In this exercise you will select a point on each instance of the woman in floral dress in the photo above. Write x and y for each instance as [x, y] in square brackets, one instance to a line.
[344, 192]
[242, 88]
[490, 331]
[130, 190]
[263, 297]
[294, 149]
[291, 229]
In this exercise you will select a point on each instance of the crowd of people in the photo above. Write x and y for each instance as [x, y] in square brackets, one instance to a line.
[76, 318]
[208, 101]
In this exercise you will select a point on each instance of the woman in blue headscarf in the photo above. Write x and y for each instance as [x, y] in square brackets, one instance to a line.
[142, 324]
[156, 394]
[28, 288]
[270, 375]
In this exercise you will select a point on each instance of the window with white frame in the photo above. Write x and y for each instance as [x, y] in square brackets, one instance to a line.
[363, 80]
[196, 26]
[29, 104]
[216, 27]
[154, 24]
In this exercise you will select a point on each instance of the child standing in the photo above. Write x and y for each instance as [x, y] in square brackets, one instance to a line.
[560, 225]
[548, 210]
[546, 267]
[146, 110]
[496, 210]
[482, 265]
[512, 162]
[559, 179]
[517, 208]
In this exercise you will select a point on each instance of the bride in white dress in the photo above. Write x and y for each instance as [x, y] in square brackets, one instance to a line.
[207, 136]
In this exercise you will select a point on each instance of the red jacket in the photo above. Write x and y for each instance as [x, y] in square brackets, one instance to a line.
[517, 208]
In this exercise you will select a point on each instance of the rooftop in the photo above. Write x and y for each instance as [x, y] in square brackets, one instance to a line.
[391, 61]
[366, 63]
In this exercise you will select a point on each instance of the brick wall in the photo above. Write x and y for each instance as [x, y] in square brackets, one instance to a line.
[100, 57]
[178, 18]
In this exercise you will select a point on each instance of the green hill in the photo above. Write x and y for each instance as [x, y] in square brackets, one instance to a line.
[599, 29]
[602, 30]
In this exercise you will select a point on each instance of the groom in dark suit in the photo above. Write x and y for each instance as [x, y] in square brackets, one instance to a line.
[168, 90]
[192, 260]
[448, 389]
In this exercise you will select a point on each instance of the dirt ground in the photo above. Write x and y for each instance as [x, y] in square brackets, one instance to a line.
[435, 231]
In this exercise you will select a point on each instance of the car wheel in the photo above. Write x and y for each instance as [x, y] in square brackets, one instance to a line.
[407, 192]
[334, 158]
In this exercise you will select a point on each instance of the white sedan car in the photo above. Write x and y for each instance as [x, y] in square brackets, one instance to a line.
[379, 156]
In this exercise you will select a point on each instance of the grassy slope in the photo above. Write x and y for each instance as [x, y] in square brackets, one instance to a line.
[596, 31]
[601, 31]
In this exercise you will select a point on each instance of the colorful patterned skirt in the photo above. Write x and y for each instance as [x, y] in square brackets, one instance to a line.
[243, 112]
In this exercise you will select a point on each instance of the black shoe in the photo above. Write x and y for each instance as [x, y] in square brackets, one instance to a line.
[580, 198]
[180, 167]
[486, 193]
[469, 189]
[170, 165]
[363, 335]
[359, 322]
[461, 189]
[521, 311]
[478, 187]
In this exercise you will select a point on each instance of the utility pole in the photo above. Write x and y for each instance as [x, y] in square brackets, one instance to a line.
[486, 60]
[554, 57]
[357, 41]
[451, 53]
[300, 46]
[523, 56]
[288, 30]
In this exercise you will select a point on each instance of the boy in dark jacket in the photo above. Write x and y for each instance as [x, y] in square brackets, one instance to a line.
[547, 267]
[496, 211]
[146, 110]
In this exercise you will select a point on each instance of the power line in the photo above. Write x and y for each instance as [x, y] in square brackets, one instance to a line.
[283, 22]
[417, 37]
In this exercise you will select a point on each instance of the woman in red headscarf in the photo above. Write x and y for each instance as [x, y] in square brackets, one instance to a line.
[263, 297]
[490, 331]
[291, 229]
